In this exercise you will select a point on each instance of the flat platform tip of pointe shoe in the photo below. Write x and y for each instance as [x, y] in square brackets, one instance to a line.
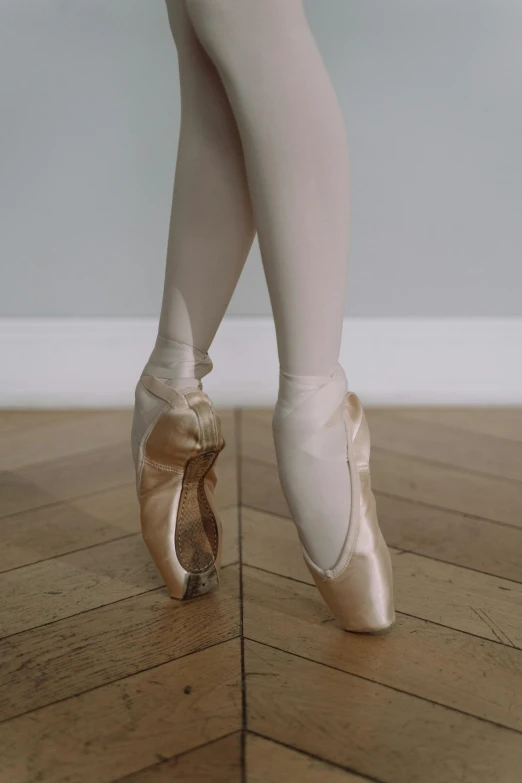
[369, 631]
[378, 631]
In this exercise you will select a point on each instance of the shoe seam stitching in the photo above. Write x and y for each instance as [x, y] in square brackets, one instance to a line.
[167, 468]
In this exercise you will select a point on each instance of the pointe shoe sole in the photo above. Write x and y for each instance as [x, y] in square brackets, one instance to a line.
[373, 631]
[196, 514]
[179, 521]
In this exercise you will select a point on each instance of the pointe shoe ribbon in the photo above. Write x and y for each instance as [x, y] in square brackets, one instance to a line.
[172, 365]
[174, 360]
[309, 427]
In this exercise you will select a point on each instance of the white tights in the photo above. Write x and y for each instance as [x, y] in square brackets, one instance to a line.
[263, 148]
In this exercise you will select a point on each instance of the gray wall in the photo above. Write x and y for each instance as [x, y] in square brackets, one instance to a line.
[431, 94]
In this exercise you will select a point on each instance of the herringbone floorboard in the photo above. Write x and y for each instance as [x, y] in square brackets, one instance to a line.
[104, 678]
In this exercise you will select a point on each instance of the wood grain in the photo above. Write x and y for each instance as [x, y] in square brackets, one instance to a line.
[499, 422]
[418, 657]
[217, 762]
[451, 537]
[79, 581]
[450, 446]
[87, 650]
[257, 441]
[91, 471]
[450, 485]
[486, 497]
[52, 531]
[226, 492]
[465, 600]
[62, 479]
[406, 478]
[63, 437]
[123, 727]
[67, 526]
[12, 420]
[271, 542]
[53, 589]
[448, 535]
[268, 762]
[227, 488]
[428, 434]
[372, 729]
[261, 489]
[228, 419]
[451, 596]
[230, 525]
[104, 677]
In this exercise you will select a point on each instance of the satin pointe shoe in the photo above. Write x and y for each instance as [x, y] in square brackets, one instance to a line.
[358, 588]
[175, 460]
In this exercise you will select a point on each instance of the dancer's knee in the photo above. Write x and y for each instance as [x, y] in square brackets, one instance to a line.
[241, 16]
[209, 10]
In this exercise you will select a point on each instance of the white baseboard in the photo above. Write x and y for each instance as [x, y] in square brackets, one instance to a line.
[95, 362]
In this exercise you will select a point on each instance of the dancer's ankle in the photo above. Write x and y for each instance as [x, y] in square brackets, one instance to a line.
[178, 364]
[296, 389]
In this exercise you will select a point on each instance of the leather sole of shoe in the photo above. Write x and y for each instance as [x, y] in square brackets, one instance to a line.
[196, 522]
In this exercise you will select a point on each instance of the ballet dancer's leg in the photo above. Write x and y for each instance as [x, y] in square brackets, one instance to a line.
[295, 146]
[211, 226]
[296, 155]
[176, 432]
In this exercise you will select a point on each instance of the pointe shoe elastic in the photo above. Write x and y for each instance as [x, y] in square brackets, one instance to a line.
[176, 479]
[359, 589]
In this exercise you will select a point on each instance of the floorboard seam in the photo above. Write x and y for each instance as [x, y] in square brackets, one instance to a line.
[419, 502]
[238, 422]
[399, 612]
[122, 443]
[445, 509]
[118, 679]
[316, 756]
[447, 465]
[96, 608]
[57, 419]
[67, 500]
[82, 548]
[168, 759]
[70, 552]
[413, 551]
[426, 461]
[403, 550]
[441, 425]
[390, 687]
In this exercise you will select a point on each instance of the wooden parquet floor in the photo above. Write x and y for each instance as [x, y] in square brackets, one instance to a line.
[104, 678]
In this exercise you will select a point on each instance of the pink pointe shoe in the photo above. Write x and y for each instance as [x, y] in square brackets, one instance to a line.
[358, 589]
[176, 440]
